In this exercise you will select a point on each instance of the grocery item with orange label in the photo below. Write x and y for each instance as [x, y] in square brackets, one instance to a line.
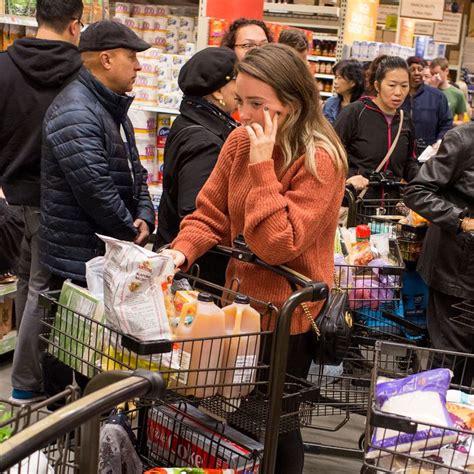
[240, 351]
[203, 346]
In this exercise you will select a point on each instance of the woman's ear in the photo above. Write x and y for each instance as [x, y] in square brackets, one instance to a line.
[377, 86]
[217, 95]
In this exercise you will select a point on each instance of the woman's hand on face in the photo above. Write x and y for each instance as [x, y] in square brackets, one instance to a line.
[358, 181]
[262, 141]
[178, 257]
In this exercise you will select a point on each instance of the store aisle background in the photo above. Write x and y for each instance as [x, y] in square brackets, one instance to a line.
[348, 436]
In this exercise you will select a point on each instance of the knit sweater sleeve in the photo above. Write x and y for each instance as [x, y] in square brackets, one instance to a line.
[281, 226]
[209, 224]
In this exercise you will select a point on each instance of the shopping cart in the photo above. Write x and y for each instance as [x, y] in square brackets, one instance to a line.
[465, 315]
[414, 444]
[258, 399]
[36, 441]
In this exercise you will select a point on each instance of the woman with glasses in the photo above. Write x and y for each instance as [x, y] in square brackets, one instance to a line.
[245, 34]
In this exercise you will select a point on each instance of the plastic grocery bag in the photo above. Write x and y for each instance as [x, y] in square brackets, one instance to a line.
[133, 295]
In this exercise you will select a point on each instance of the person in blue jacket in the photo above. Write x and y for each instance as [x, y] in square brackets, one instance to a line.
[348, 85]
[427, 106]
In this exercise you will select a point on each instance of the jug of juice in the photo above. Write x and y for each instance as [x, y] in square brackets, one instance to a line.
[241, 352]
[200, 354]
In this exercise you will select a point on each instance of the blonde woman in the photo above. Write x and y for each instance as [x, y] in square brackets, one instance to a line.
[279, 181]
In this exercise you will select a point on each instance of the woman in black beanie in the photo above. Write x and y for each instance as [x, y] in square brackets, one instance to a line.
[195, 140]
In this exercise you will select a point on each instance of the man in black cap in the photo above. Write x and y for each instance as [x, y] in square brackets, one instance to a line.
[92, 179]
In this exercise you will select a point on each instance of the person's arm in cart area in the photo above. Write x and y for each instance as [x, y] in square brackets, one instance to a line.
[424, 194]
[75, 141]
[145, 214]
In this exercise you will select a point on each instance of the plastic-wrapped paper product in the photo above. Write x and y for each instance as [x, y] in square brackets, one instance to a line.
[421, 397]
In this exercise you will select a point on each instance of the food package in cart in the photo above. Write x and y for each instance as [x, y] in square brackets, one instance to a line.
[183, 435]
[133, 296]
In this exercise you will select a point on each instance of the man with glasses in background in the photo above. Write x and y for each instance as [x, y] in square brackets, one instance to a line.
[33, 72]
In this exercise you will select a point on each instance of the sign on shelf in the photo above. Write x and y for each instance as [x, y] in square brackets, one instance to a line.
[424, 28]
[449, 30]
[432, 10]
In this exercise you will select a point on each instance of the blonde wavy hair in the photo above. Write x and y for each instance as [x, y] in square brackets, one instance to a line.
[305, 128]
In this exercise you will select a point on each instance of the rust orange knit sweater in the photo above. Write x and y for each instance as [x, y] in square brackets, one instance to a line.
[286, 218]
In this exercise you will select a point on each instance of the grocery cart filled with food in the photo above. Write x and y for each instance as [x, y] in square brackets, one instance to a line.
[222, 355]
[420, 415]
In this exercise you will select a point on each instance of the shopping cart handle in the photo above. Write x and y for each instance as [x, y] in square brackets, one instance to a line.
[393, 422]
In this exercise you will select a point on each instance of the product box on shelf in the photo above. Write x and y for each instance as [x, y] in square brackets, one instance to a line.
[6, 315]
[184, 436]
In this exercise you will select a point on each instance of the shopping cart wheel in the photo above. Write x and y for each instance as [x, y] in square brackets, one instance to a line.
[362, 442]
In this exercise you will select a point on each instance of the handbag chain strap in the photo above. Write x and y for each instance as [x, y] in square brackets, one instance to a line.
[307, 312]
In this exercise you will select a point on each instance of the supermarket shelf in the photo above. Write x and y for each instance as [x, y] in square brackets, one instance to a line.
[8, 342]
[324, 76]
[331, 59]
[160, 110]
[18, 20]
[325, 94]
[293, 9]
[7, 289]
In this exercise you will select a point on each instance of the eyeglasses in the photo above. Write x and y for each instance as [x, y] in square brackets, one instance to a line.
[80, 23]
[251, 45]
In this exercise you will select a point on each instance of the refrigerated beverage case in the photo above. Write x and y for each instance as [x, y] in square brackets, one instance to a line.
[241, 351]
[202, 355]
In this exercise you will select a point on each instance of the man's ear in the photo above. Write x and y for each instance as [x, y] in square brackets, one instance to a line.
[106, 59]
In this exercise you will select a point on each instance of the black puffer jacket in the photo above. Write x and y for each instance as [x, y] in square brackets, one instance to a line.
[443, 193]
[92, 179]
[367, 137]
[32, 73]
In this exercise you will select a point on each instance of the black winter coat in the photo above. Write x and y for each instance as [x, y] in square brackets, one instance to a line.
[443, 193]
[92, 179]
[191, 152]
[367, 137]
[32, 73]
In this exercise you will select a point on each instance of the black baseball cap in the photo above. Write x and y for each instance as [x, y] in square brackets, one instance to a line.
[106, 34]
[207, 71]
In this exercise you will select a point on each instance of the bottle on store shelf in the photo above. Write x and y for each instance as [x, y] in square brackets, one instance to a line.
[317, 67]
[328, 87]
[241, 352]
[201, 357]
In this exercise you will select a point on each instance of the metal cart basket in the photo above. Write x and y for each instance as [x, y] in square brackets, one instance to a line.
[401, 444]
[252, 394]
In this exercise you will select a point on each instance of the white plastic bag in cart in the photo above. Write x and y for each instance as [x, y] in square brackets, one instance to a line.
[95, 276]
[133, 295]
[36, 463]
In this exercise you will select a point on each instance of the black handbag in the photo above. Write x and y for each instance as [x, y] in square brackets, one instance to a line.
[332, 329]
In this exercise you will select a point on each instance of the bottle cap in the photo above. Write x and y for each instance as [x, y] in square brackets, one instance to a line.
[205, 297]
[242, 299]
[362, 231]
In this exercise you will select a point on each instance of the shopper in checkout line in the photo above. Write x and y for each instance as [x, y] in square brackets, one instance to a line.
[349, 84]
[33, 72]
[427, 107]
[457, 103]
[196, 137]
[245, 34]
[279, 182]
[369, 126]
[92, 181]
[297, 40]
[443, 193]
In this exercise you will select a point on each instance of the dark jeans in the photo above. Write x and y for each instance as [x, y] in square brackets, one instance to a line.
[448, 335]
[290, 452]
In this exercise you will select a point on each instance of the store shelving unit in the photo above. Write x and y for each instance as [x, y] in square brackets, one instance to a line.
[330, 59]
[159, 110]
[325, 94]
[324, 76]
[18, 20]
[7, 342]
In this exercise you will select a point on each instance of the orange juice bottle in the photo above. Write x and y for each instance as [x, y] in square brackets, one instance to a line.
[241, 352]
[200, 355]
